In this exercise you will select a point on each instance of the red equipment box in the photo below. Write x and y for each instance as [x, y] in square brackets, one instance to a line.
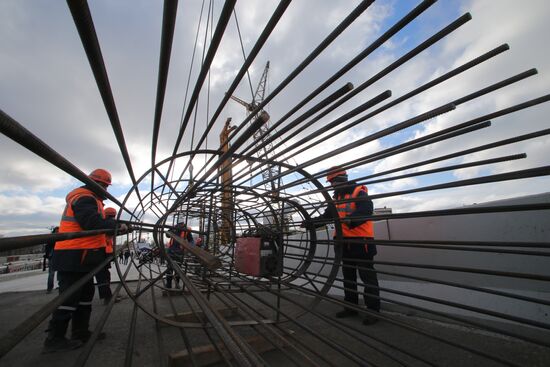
[247, 255]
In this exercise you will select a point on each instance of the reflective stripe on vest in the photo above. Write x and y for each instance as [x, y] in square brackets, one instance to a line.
[109, 245]
[69, 224]
[346, 208]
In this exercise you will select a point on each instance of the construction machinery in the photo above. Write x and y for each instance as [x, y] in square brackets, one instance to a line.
[262, 136]
[226, 184]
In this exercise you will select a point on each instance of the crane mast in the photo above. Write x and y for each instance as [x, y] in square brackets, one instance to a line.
[226, 183]
[261, 135]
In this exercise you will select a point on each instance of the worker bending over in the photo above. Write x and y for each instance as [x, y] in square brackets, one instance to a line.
[175, 251]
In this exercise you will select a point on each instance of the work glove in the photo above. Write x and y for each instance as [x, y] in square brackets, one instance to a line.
[346, 221]
[124, 228]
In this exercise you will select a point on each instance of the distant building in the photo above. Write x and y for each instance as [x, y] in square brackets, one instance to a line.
[382, 211]
[38, 249]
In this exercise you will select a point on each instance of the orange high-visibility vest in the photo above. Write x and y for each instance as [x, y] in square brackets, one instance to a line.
[183, 234]
[69, 224]
[109, 244]
[344, 209]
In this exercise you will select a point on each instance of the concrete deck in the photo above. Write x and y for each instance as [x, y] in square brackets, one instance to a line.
[15, 307]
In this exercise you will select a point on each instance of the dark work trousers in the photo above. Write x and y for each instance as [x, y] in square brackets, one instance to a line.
[51, 275]
[170, 271]
[170, 275]
[350, 253]
[77, 308]
[103, 280]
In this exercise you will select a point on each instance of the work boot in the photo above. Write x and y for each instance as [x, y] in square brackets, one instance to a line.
[84, 335]
[117, 299]
[369, 320]
[346, 312]
[54, 344]
[57, 328]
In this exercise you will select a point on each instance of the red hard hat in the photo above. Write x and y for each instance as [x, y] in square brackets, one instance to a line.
[101, 175]
[110, 212]
[334, 172]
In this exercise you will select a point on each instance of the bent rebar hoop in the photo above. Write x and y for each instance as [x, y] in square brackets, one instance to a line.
[483, 266]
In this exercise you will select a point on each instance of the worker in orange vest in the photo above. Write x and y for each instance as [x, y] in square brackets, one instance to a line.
[353, 205]
[175, 251]
[74, 258]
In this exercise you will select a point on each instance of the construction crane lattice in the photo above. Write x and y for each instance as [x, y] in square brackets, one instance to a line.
[261, 136]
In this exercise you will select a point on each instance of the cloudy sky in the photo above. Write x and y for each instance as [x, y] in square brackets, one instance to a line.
[46, 84]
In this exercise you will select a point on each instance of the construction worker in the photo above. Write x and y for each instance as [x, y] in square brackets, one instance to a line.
[103, 277]
[48, 253]
[74, 258]
[126, 256]
[356, 233]
[175, 251]
[199, 242]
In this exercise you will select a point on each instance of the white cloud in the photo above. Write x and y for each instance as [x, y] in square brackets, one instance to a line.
[46, 84]
[523, 27]
[25, 205]
[29, 214]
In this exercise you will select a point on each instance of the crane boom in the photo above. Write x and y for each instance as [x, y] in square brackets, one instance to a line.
[249, 106]
[262, 134]
[259, 95]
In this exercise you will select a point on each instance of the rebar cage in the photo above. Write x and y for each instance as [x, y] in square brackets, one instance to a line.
[259, 180]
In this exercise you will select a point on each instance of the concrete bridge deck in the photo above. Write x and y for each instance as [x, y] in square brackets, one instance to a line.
[15, 307]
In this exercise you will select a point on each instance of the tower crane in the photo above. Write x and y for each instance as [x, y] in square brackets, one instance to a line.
[260, 135]
[226, 182]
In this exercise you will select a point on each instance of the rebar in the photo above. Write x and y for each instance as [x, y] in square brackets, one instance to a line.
[224, 194]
